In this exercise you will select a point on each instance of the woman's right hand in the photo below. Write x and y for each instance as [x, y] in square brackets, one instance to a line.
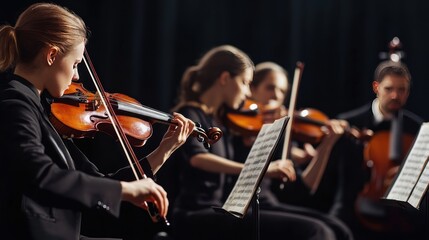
[146, 190]
[282, 169]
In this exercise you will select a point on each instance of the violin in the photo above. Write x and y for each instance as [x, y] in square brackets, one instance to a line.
[103, 108]
[79, 113]
[309, 124]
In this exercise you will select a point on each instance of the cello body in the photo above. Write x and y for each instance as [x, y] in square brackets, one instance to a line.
[371, 211]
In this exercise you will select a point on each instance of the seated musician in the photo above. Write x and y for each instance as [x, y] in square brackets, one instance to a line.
[370, 218]
[269, 89]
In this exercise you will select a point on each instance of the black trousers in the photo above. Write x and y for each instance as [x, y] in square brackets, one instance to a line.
[208, 224]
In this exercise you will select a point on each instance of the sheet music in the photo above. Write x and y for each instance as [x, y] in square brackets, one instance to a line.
[412, 170]
[254, 168]
[420, 189]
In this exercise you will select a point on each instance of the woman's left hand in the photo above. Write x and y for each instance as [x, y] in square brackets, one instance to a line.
[282, 169]
[175, 137]
[177, 133]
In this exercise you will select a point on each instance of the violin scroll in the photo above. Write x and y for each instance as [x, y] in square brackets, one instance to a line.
[209, 138]
[79, 113]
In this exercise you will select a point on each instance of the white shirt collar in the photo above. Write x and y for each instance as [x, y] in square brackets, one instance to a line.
[378, 115]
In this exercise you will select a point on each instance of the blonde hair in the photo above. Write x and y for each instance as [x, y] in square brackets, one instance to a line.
[40, 25]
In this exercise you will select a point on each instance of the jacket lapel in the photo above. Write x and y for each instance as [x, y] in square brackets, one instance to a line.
[52, 135]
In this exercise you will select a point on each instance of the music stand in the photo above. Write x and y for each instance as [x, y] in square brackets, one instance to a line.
[246, 190]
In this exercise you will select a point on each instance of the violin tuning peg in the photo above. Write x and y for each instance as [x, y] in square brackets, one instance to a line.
[197, 124]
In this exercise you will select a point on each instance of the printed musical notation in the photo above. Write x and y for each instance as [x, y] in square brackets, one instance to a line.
[254, 168]
[413, 178]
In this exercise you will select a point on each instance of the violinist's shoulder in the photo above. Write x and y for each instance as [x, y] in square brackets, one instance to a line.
[189, 111]
[416, 118]
[355, 113]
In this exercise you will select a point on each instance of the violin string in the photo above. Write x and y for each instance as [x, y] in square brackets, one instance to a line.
[138, 109]
[132, 105]
[142, 110]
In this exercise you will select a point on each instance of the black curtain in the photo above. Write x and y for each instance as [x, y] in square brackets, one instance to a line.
[141, 48]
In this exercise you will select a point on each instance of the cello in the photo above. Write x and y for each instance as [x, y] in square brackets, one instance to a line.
[370, 210]
[383, 155]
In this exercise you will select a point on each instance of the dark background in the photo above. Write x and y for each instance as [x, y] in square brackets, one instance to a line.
[141, 48]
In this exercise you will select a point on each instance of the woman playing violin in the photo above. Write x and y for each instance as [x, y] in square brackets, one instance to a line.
[221, 79]
[47, 182]
[269, 89]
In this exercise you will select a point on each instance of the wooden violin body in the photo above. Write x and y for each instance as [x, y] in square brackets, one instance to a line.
[246, 121]
[79, 113]
[307, 126]
[250, 118]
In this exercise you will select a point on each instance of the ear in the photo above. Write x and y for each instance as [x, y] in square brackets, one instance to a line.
[51, 54]
[224, 77]
[375, 85]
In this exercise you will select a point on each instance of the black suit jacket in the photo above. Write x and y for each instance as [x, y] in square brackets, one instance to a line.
[363, 117]
[43, 188]
[352, 178]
